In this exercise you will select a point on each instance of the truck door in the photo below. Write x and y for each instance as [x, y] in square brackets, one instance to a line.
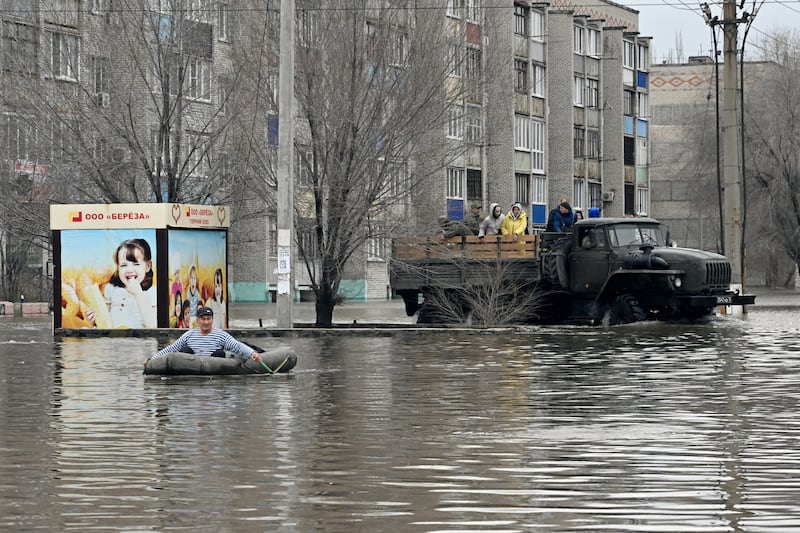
[589, 260]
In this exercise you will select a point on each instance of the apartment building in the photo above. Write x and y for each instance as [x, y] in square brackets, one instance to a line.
[561, 110]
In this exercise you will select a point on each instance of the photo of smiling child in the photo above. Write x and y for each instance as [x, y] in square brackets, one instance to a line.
[130, 301]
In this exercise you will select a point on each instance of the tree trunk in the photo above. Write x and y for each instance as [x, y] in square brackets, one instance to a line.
[326, 300]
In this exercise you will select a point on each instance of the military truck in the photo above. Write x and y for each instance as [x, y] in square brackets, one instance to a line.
[607, 270]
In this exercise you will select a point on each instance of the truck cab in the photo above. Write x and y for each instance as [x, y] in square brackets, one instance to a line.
[624, 270]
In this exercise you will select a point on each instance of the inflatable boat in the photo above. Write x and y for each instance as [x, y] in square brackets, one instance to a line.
[186, 364]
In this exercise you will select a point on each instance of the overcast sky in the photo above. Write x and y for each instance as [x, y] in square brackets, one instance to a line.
[663, 20]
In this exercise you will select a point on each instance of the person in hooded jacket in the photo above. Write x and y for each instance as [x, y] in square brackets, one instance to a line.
[493, 223]
[564, 218]
[516, 222]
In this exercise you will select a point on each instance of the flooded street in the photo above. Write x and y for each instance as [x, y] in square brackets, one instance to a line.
[647, 427]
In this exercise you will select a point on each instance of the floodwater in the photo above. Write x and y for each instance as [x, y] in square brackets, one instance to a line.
[647, 427]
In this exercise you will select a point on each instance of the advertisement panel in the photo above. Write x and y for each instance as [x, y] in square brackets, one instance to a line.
[108, 278]
[198, 276]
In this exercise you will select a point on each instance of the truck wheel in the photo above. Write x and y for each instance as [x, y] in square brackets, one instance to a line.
[626, 309]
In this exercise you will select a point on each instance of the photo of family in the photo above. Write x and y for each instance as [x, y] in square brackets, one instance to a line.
[108, 279]
[197, 276]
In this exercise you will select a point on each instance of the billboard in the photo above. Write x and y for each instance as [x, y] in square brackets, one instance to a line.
[138, 266]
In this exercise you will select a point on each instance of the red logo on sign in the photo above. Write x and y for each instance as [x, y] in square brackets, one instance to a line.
[76, 216]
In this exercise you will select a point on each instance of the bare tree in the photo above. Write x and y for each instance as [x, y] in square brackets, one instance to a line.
[375, 88]
[773, 154]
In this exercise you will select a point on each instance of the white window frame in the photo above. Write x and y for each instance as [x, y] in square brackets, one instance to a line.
[577, 91]
[522, 188]
[643, 55]
[223, 21]
[474, 11]
[538, 189]
[474, 125]
[578, 39]
[63, 56]
[537, 146]
[455, 182]
[198, 79]
[642, 201]
[644, 105]
[455, 122]
[536, 24]
[578, 193]
[628, 54]
[522, 133]
[593, 43]
[455, 8]
[455, 56]
[538, 74]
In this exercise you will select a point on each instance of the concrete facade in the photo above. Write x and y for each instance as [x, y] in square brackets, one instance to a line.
[606, 177]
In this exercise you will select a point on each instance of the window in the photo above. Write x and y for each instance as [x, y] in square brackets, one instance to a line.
[628, 54]
[537, 146]
[628, 147]
[474, 11]
[537, 87]
[521, 188]
[537, 25]
[376, 248]
[99, 70]
[307, 26]
[644, 109]
[18, 137]
[455, 182]
[455, 8]
[473, 63]
[223, 30]
[198, 156]
[474, 128]
[577, 93]
[593, 43]
[19, 47]
[643, 53]
[592, 93]
[455, 123]
[307, 240]
[62, 50]
[578, 193]
[595, 195]
[398, 51]
[197, 10]
[593, 144]
[521, 75]
[61, 12]
[578, 141]
[520, 20]
[577, 39]
[522, 136]
[456, 61]
[474, 184]
[642, 201]
[629, 103]
[199, 79]
[538, 190]
[641, 151]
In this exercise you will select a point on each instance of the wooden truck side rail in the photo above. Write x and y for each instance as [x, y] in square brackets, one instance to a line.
[466, 247]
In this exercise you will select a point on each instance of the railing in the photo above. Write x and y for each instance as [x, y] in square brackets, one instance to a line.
[470, 247]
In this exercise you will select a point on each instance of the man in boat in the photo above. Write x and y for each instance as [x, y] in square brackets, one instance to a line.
[205, 339]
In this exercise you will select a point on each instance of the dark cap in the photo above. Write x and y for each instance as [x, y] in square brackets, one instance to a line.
[477, 206]
[204, 311]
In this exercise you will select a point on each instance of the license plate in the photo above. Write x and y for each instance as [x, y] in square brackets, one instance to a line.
[724, 299]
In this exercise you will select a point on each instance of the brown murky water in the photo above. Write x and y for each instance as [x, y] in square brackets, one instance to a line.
[649, 427]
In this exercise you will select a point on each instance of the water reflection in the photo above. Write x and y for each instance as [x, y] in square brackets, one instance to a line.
[648, 427]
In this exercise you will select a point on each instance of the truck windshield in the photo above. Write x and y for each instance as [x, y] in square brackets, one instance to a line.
[635, 234]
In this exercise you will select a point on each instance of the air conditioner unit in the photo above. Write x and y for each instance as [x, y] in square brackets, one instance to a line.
[102, 99]
[608, 196]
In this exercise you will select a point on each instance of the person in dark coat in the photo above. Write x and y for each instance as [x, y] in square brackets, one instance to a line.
[562, 221]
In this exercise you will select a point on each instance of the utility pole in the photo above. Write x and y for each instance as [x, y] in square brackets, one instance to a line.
[732, 197]
[285, 222]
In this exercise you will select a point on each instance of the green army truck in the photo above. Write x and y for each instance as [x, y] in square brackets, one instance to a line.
[607, 270]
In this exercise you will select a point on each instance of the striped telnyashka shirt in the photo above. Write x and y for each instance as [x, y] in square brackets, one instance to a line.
[206, 344]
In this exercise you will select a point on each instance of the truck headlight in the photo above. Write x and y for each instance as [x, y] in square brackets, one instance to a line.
[677, 282]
